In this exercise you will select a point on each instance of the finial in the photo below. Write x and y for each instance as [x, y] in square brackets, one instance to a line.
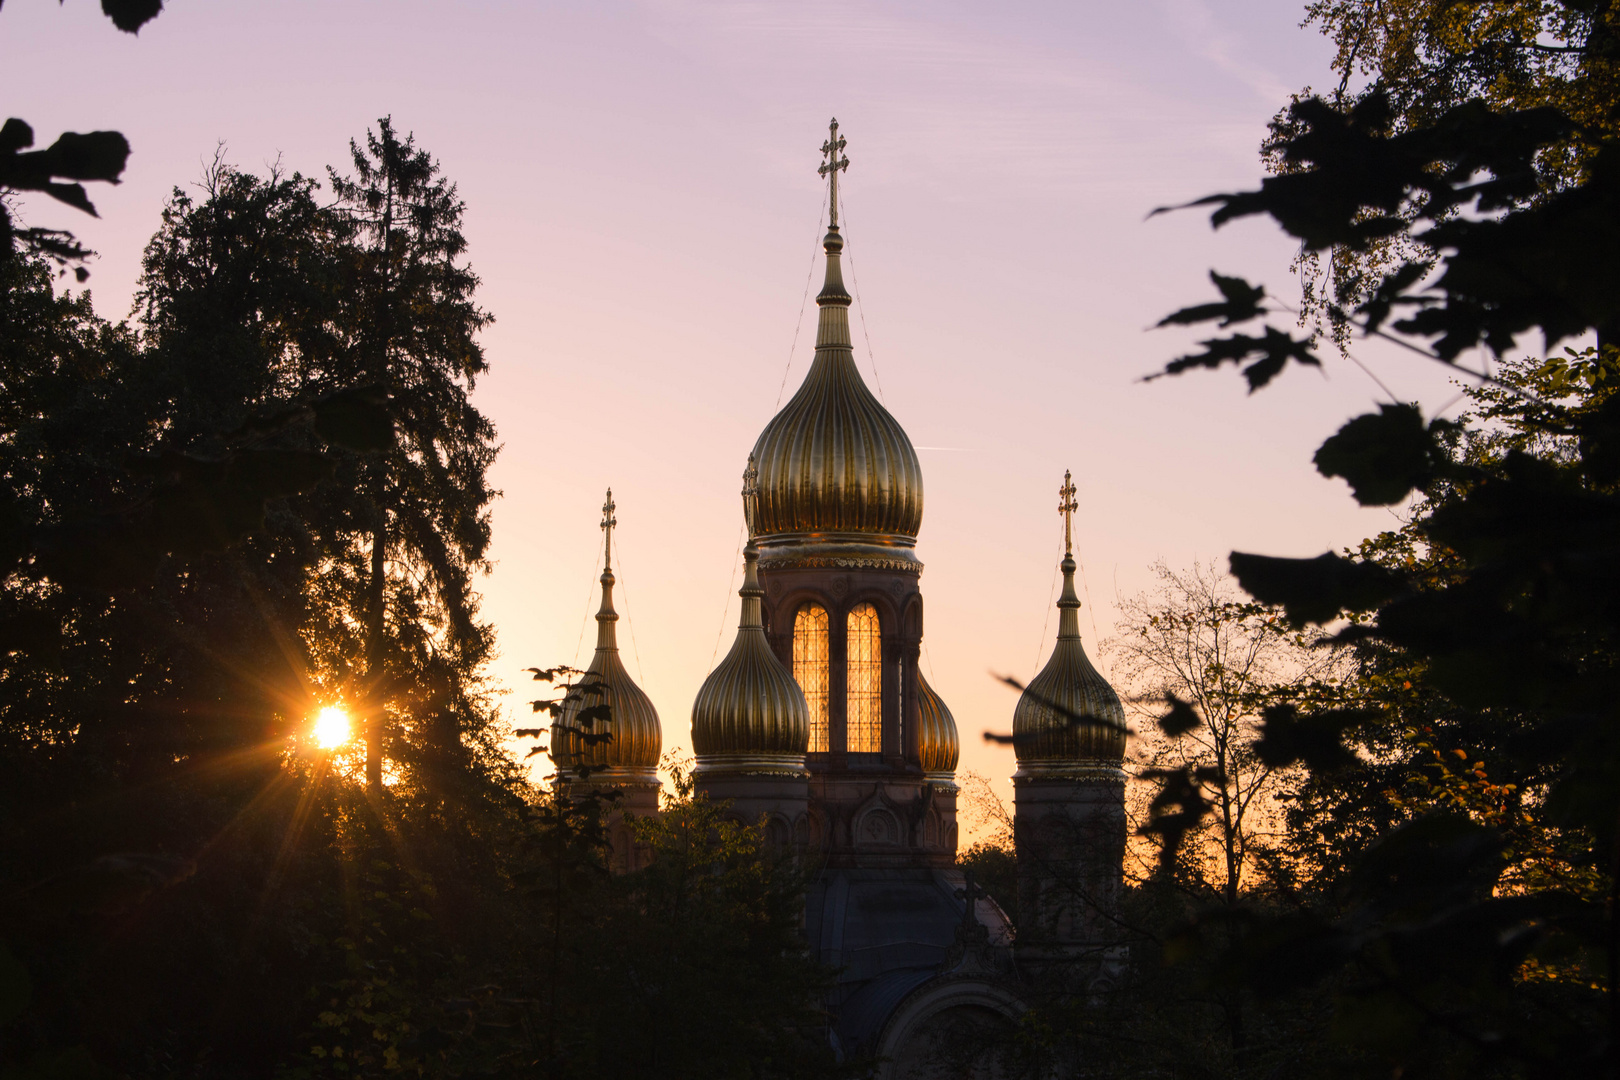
[750, 493]
[1067, 506]
[608, 521]
[1068, 601]
[833, 166]
[752, 614]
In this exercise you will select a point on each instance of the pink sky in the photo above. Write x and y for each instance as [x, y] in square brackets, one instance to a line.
[643, 208]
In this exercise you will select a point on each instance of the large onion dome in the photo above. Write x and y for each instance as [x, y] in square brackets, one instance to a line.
[835, 471]
[631, 754]
[750, 715]
[938, 747]
[1068, 716]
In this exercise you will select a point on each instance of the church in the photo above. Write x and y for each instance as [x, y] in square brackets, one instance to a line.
[819, 723]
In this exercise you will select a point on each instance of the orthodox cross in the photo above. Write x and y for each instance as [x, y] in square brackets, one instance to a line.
[1067, 506]
[833, 166]
[971, 894]
[608, 521]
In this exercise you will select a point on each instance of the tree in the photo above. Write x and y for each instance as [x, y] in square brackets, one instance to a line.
[1192, 638]
[1427, 950]
[1427, 57]
[168, 629]
[424, 529]
[992, 857]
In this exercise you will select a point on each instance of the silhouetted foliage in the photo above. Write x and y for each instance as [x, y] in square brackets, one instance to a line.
[59, 169]
[1434, 957]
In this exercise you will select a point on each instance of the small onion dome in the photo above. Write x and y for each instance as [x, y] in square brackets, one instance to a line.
[637, 737]
[1068, 715]
[937, 745]
[750, 715]
[834, 468]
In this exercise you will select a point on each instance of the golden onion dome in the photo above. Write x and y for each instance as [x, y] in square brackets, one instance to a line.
[938, 747]
[636, 737]
[750, 715]
[834, 468]
[1068, 715]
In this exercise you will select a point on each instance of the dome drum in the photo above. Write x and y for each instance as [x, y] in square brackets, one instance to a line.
[838, 551]
[841, 670]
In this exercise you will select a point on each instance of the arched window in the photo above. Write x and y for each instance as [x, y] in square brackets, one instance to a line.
[810, 669]
[864, 708]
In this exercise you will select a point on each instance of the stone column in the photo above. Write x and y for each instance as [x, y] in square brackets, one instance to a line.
[892, 751]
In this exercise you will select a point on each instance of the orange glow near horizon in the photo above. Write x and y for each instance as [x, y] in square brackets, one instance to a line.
[332, 727]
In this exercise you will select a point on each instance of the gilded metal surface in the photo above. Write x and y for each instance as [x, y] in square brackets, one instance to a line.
[833, 166]
[1044, 726]
[833, 555]
[633, 751]
[834, 460]
[750, 715]
[938, 747]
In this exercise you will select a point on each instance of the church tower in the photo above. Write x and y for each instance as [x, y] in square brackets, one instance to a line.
[607, 737]
[1069, 792]
[833, 501]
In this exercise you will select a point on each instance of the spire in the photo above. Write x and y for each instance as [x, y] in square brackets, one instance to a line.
[1066, 506]
[1068, 717]
[1069, 602]
[606, 636]
[836, 477]
[832, 331]
[631, 755]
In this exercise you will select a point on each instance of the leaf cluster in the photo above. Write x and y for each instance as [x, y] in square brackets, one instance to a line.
[1500, 609]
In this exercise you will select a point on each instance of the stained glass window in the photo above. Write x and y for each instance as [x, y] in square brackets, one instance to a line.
[810, 669]
[864, 708]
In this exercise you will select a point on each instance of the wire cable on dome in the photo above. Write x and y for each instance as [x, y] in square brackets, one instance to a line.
[590, 591]
[1050, 596]
[804, 302]
[860, 308]
[624, 598]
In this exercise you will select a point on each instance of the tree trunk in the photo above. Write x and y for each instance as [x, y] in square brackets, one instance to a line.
[375, 628]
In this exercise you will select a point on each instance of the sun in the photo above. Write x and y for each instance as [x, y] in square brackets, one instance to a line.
[332, 728]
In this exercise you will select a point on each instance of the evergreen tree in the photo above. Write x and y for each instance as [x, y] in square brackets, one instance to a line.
[422, 531]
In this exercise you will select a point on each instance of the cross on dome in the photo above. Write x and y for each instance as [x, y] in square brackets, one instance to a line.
[608, 521]
[971, 893]
[1067, 506]
[833, 166]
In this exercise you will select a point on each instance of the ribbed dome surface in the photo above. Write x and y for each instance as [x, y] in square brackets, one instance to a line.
[834, 461]
[637, 738]
[938, 746]
[1048, 724]
[637, 735]
[750, 712]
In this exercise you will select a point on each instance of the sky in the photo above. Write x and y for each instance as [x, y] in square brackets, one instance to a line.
[644, 212]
